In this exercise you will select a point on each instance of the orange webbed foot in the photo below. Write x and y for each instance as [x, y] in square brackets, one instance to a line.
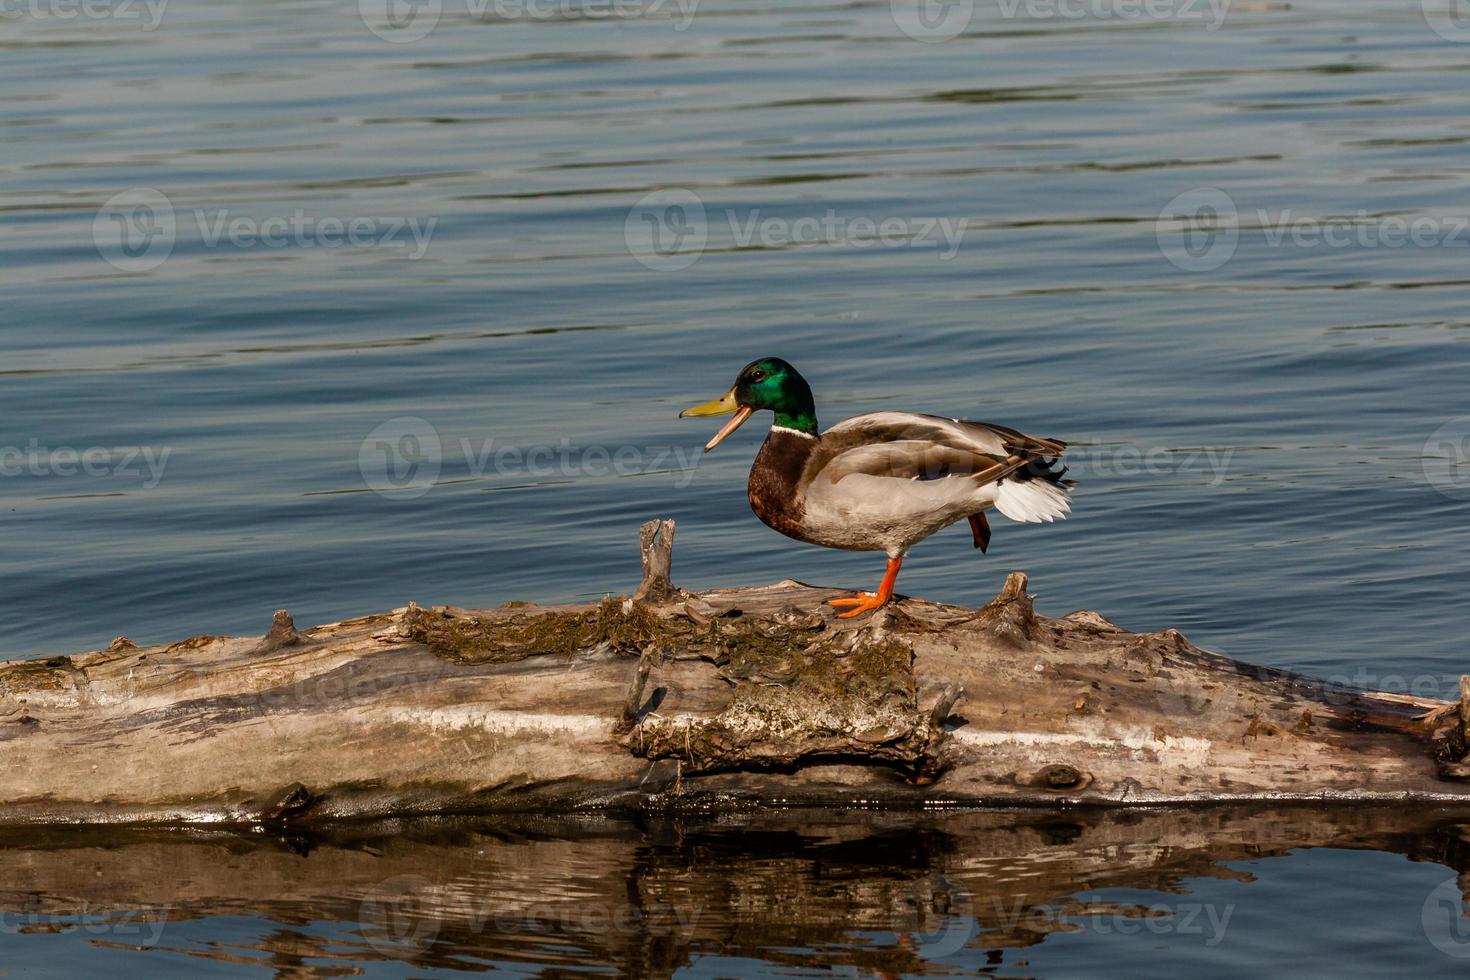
[863, 602]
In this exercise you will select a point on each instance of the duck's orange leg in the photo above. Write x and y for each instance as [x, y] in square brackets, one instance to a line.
[868, 601]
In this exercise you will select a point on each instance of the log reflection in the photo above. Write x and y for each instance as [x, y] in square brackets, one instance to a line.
[881, 893]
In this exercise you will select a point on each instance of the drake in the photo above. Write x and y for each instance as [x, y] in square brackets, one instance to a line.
[882, 481]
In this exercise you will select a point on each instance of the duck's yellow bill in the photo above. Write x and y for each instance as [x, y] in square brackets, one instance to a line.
[723, 405]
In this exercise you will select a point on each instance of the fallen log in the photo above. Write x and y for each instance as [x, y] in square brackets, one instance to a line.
[669, 699]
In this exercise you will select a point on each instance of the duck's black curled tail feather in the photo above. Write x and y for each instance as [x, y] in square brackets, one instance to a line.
[1044, 469]
[1036, 490]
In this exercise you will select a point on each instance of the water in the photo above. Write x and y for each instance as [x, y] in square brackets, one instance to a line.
[1003, 893]
[1269, 427]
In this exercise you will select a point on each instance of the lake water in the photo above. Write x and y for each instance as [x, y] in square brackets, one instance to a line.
[331, 306]
[1216, 893]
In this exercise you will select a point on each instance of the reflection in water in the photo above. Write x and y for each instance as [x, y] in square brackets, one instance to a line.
[871, 894]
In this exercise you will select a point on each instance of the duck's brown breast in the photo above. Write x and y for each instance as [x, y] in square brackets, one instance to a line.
[775, 487]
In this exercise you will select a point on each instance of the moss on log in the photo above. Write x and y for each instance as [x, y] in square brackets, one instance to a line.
[724, 698]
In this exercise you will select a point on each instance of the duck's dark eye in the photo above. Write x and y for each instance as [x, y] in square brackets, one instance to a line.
[757, 376]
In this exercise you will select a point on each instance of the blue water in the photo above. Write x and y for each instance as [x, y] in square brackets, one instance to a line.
[1015, 894]
[1268, 410]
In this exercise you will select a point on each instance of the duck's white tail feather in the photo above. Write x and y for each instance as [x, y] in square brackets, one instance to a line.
[1032, 501]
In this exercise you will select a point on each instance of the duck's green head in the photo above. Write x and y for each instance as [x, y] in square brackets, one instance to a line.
[766, 383]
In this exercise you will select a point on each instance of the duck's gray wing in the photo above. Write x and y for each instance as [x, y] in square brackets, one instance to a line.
[911, 446]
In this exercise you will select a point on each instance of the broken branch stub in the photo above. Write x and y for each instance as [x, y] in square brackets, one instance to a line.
[634, 701]
[1008, 617]
[656, 545]
[282, 634]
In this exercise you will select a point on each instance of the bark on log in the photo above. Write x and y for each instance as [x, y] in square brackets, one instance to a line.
[729, 697]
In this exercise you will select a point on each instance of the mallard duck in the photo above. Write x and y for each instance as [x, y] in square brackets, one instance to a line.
[882, 481]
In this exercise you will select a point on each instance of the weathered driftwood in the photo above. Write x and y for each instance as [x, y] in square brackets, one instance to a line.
[729, 697]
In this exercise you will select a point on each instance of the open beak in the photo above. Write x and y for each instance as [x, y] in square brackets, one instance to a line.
[723, 405]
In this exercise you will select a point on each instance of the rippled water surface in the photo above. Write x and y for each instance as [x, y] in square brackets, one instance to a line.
[1268, 407]
[1216, 893]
